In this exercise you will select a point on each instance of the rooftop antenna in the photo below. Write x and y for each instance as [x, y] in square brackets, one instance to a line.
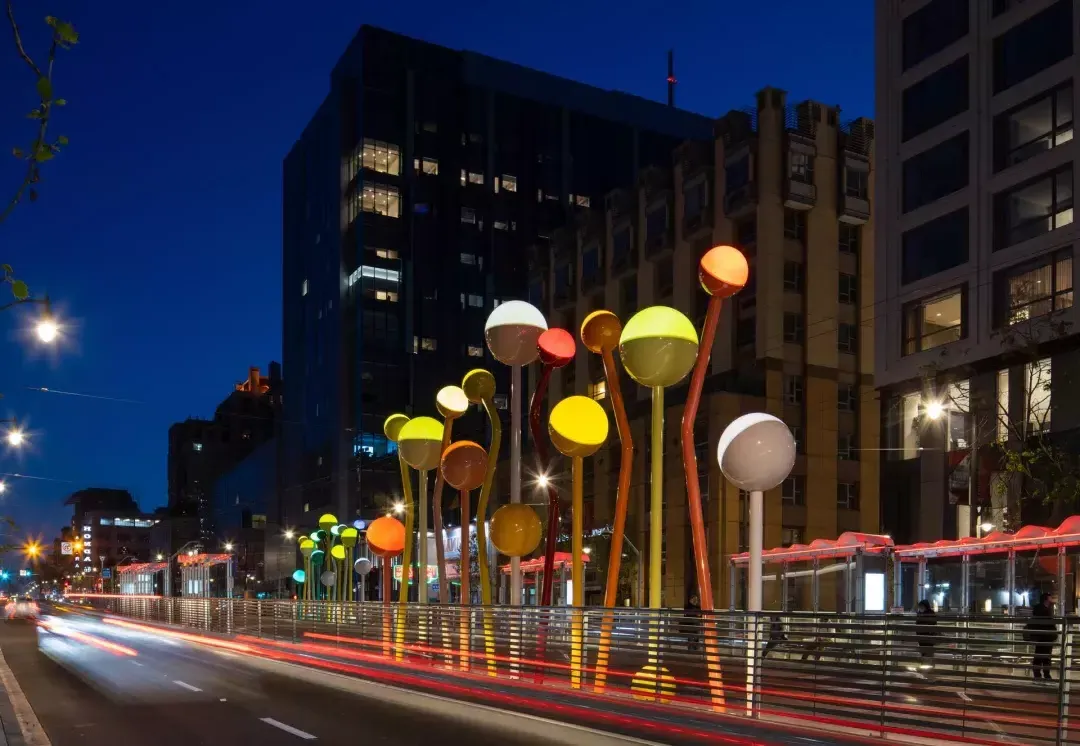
[671, 81]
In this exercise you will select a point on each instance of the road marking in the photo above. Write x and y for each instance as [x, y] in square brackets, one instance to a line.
[33, 733]
[187, 686]
[289, 729]
[136, 663]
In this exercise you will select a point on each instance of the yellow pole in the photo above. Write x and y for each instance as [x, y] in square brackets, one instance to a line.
[656, 525]
[422, 556]
[577, 572]
[481, 530]
[406, 559]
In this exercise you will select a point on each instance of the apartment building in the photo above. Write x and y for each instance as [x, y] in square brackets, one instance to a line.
[789, 185]
[974, 202]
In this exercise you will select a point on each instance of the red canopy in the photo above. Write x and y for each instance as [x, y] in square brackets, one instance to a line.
[1028, 537]
[562, 559]
[847, 544]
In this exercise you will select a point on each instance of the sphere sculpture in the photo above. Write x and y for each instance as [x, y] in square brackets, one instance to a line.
[392, 429]
[756, 452]
[386, 537]
[327, 521]
[555, 347]
[578, 427]
[362, 566]
[452, 403]
[420, 442]
[328, 578]
[349, 537]
[299, 576]
[479, 387]
[723, 271]
[658, 346]
[464, 467]
[515, 530]
[338, 552]
[511, 332]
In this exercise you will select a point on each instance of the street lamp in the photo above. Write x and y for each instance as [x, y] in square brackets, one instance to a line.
[3, 487]
[399, 508]
[934, 409]
[289, 533]
[15, 437]
[228, 546]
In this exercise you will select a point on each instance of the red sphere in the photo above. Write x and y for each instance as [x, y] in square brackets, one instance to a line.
[556, 347]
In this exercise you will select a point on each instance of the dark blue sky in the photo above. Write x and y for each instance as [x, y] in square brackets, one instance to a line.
[158, 231]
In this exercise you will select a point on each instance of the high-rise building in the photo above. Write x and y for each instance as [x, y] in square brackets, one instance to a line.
[790, 186]
[975, 336]
[409, 200]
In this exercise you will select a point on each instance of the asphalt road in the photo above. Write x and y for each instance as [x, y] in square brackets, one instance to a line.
[153, 690]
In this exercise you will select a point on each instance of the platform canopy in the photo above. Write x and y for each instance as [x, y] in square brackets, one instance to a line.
[562, 559]
[998, 542]
[848, 544]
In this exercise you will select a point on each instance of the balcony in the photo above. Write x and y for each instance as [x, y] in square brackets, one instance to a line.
[538, 256]
[658, 244]
[854, 210]
[623, 259]
[801, 121]
[564, 244]
[857, 137]
[740, 201]
[737, 126]
[694, 224]
[800, 195]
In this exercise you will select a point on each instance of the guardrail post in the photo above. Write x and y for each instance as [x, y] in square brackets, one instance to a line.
[1064, 683]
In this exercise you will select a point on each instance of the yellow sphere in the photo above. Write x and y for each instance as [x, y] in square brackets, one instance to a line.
[338, 552]
[515, 530]
[327, 521]
[392, 426]
[307, 546]
[420, 441]
[658, 346]
[478, 385]
[578, 426]
[349, 537]
[451, 402]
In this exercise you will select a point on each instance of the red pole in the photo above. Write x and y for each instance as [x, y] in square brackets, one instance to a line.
[540, 446]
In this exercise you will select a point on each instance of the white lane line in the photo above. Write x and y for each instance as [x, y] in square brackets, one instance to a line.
[32, 732]
[187, 686]
[289, 729]
[135, 663]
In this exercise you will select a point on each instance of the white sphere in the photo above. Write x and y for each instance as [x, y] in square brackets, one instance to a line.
[512, 331]
[328, 578]
[756, 452]
[362, 566]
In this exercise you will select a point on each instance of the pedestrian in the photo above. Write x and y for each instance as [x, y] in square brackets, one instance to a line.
[1041, 631]
[692, 614]
[926, 631]
[777, 635]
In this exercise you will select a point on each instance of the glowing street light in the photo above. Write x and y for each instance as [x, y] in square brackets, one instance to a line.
[47, 329]
[32, 549]
[228, 546]
[3, 487]
[16, 437]
[399, 508]
[289, 533]
[934, 410]
[160, 557]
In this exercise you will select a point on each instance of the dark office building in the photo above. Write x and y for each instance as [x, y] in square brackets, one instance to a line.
[409, 201]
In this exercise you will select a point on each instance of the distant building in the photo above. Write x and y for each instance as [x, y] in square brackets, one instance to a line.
[201, 450]
[409, 201]
[109, 528]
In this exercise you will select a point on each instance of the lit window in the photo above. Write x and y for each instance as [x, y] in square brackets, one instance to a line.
[500, 401]
[801, 167]
[1037, 384]
[476, 351]
[386, 253]
[469, 259]
[476, 301]
[307, 508]
[582, 201]
[468, 215]
[386, 295]
[380, 199]
[429, 166]
[428, 344]
[598, 390]
[933, 322]
[1036, 289]
[303, 287]
[1033, 208]
[509, 183]
[376, 273]
[791, 535]
[475, 178]
[382, 157]
[197, 446]
[501, 225]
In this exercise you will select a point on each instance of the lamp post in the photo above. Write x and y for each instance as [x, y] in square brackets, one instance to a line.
[512, 331]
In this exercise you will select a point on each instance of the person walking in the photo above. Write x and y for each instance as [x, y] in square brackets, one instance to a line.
[691, 621]
[1041, 631]
[926, 631]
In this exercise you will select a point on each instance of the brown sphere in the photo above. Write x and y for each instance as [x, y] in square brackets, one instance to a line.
[600, 331]
[464, 465]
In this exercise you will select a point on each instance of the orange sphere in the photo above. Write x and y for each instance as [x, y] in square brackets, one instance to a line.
[556, 347]
[723, 271]
[515, 530]
[464, 464]
[600, 330]
[386, 536]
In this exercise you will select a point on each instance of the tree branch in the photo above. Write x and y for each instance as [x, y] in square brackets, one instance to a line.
[18, 40]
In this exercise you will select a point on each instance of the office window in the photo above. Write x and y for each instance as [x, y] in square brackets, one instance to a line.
[934, 246]
[476, 301]
[746, 231]
[1033, 208]
[597, 390]
[304, 287]
[845, 446]
[847, 396]
[1037, 386]
[373, 273]
[508, 182]
[468, 215]
[695, 198]
[476, 351]
[795, 224]
[1026, 49]
[934, 321]
[857, 183]
[582, 200]
[1035, 288]
[801, 167]
[930, 29]
[500, 225]
[934, 173]
[793, 389]
[847, 496]
[797, 436]
[380, 199]
[849, 288]
[936, 98]
[429, 166]
[793, 276]
[791, 535]
[469, 259]
[1003, 419]
[1034, 127]
[428, 344]
[386, 253]
[386, 295]
[382, 157]
[793, 327]
[656, 223]
[476, 178]
[847, 337]
[196, 447]
[793, 491]
[849, 238]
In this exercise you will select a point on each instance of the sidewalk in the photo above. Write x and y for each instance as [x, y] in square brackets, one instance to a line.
[10, 694]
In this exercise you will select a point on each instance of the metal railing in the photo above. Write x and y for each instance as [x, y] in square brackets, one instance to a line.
[894, 676]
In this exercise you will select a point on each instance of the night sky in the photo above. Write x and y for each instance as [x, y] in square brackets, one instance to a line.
[158, 235]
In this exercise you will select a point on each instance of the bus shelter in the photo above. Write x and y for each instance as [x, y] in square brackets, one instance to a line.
[849, 572]
[195, 574]
[996, 573]
[532, 572]
[139, 579]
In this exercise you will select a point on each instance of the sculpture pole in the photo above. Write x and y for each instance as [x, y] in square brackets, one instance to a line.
[451, 403]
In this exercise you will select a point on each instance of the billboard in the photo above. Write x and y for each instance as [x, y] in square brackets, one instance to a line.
[66, 548]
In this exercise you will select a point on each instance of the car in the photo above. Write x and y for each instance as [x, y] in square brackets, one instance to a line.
[21, 608]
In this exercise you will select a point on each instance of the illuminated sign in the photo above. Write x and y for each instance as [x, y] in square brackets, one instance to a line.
[432, 573]
[65, 548]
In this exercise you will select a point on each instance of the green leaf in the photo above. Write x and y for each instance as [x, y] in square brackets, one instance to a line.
[66, 32]
[43, 153]
[44, 88]
[35, 114]
[60, 102]
[61, 140]
[18, 152]
[7, 269]
[20, 290]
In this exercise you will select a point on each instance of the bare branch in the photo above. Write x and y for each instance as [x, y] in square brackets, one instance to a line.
[18, 40]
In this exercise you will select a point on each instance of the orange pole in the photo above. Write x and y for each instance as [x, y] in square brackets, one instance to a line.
[622, 501]
[436, 514]
[465, 559]
[693, 495]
